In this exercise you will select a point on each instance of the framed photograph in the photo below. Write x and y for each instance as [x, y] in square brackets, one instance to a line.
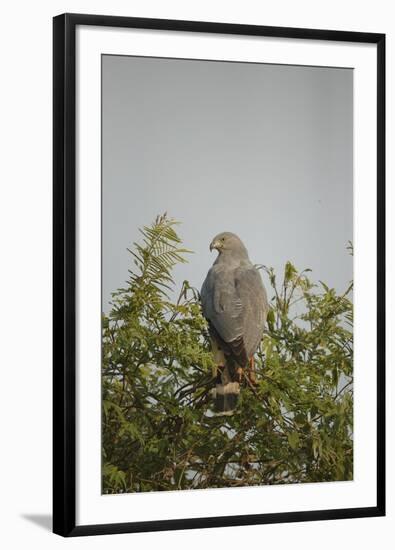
[219, 274]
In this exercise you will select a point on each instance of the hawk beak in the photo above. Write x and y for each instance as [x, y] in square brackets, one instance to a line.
[215, 245]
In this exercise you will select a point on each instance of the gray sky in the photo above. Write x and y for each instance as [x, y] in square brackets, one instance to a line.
[264, 151]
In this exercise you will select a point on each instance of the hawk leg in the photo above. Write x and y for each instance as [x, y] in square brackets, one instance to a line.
[251, 371]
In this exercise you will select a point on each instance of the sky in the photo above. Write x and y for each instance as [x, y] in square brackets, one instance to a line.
[264, 151]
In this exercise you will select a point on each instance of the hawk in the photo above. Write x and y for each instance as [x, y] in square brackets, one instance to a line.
[234, 302]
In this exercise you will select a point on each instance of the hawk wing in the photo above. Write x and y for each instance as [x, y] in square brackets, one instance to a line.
[235, 304]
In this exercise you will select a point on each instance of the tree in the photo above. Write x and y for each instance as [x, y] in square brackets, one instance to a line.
[158, 429]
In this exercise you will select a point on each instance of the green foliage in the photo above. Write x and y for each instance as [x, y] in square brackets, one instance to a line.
[159, 432]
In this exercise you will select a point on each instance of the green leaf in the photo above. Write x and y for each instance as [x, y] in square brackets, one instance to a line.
[289, 272]
[293, 440]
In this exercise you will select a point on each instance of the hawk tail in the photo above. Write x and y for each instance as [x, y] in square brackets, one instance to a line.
[226, 392]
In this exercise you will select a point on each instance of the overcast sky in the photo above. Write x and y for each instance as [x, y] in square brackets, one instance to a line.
[264, 151]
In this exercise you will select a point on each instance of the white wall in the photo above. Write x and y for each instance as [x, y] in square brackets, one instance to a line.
[25, 217]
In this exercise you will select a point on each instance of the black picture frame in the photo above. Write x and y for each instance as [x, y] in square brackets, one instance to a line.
[64, 273]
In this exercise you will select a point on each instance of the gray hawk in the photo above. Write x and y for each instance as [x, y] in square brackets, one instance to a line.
[235, 304]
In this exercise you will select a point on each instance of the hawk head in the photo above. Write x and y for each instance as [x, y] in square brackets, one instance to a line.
[227, 242]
